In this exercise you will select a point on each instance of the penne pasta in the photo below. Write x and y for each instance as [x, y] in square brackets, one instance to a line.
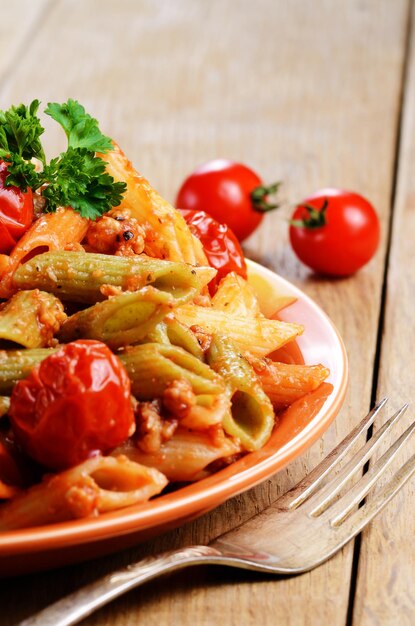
[251, 416]
[95, 486]
[171, 332]
[17, 364]
[180, 335]
[151, 367]
[186, 456]
[285, 383]
[190, 390]
[161, 372]
[52, 231]
[257, 335]
[91, 277]
[168, 236]
[236, 297]
[121, 320]
[43, 316]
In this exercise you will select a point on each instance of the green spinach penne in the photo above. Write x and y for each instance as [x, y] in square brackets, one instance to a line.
[251, 418]
[172, 332]
[151, 367]
[91, 277]
[120, 320]
[16, 365]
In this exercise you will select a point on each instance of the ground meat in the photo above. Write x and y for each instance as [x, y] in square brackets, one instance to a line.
[110, 290]
[82, 499]
[50, 317]
[117, 234]
[152, 428]
[178, 398]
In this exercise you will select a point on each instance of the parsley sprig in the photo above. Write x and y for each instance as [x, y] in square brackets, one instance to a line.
[75, 178]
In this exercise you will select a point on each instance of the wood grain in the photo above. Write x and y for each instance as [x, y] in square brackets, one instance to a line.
[18, 27]
[305, 92]
[386, 577]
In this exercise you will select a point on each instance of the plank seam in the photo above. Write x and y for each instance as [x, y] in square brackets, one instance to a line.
[382, 307]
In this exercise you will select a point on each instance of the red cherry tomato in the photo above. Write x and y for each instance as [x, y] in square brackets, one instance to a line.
[219, 244]
[224, 189]
[335, 232]
[75, 403]
[16, 212]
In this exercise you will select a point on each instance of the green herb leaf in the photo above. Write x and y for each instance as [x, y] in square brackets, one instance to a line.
[21, 173]
[20, 130]
[78, 179]
[81, 129]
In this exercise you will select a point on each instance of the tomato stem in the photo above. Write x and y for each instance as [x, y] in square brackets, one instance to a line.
[259, 197]
[316, 217]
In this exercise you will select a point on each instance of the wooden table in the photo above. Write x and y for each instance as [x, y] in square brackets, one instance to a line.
[314, 93]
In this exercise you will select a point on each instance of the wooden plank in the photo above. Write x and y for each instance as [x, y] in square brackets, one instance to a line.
[293, 89]
[386, 576]
[18, 24]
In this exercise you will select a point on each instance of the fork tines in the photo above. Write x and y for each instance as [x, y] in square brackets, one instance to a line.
[318, 500]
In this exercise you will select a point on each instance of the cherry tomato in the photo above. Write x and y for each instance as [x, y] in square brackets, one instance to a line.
[335, 232]
[230, 192]
[74, 404]
[219, 244]
[16, 212]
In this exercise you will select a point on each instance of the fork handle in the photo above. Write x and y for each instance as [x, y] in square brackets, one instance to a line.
[73, 608]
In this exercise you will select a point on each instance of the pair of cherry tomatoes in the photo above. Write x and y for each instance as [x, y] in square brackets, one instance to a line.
[334, 232]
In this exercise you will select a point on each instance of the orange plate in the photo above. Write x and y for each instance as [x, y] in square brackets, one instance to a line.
[44, 547]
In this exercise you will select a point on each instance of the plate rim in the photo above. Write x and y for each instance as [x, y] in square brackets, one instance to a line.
[194, 500]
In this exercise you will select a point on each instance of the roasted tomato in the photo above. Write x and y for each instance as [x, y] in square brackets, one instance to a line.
[230, 192]
[335, 232]
[16, 212]
[74, 404]
[219, 244]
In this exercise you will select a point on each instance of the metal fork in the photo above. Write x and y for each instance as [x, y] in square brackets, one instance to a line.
[300, 530]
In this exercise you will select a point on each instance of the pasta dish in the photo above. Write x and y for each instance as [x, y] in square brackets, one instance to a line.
[129, 360]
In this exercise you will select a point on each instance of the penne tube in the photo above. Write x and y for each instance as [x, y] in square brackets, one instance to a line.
[90, 277]
[189, 389]
[251, 418]
[16, 365]
[120, 320]
[257, 335]
[52, 231]
[235, 296]
[185, 456]
[285, 383]
[151, 367]
[168, 235]
[31, 318]
[171, 332]
[180, 335]
[95, 486]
